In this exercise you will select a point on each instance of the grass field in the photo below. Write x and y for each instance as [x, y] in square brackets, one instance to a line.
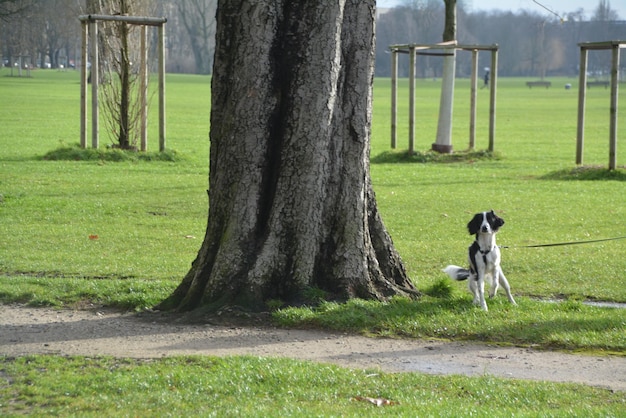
[149, 217]
[124, 233]
[255, 387]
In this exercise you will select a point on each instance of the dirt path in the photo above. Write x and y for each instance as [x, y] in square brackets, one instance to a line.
[147, 335]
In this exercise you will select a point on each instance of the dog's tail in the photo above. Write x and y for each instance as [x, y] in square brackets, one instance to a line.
[457, 273]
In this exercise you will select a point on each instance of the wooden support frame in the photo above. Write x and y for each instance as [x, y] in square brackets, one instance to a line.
[90, 37]
[417, 49]
[585, 47]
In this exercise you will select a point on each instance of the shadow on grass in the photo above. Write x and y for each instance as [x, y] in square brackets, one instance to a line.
[76, 153]
[125, 293]
[591, 173]
[468, 156]
[568, 325]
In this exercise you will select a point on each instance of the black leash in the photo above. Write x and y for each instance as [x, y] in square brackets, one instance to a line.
[558, 244]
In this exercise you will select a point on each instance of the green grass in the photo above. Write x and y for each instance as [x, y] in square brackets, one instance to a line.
[93, 216]
[252, 387]
[55, 290]
[79, 227]
[570, 325]
[426, 206]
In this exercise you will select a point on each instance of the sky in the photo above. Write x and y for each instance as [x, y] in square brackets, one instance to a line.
[559, 6]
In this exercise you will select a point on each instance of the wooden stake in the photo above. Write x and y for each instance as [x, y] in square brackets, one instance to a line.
[161, 88]
[473, 91]
[95, 70]
[492, 98]
[412, 101]
[394, 98]
[144, 90]
[582, 97]
[614, 94]
[83, 84]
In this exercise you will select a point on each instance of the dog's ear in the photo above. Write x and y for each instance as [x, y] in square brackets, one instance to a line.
[495, 221]
[474, 225]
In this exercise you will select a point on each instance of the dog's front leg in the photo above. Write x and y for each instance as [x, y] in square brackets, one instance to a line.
[505, 283]
[477, 287]
[481, 293]
[473, 287]
[493, 289]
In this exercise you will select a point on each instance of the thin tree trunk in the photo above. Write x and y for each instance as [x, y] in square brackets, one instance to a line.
[125, 82]
[291, 201]
[443, 142]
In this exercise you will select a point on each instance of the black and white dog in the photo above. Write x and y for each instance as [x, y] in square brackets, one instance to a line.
[484, 259]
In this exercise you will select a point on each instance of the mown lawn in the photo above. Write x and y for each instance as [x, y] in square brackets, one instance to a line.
[253, 387]
[124, 234]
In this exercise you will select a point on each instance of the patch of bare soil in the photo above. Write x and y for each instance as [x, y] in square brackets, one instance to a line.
[26, 330]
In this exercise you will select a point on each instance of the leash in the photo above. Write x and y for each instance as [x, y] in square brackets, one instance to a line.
[558, 244]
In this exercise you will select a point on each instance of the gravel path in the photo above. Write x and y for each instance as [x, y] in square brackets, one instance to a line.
[148, 335]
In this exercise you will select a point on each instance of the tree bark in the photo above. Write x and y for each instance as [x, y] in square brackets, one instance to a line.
[291, 201]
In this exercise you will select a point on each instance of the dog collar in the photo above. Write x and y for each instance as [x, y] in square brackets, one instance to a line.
[481, 251]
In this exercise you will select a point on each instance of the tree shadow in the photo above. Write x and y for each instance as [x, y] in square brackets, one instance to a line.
[566, 325]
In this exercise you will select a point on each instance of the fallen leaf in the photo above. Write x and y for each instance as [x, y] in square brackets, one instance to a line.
[374, 401]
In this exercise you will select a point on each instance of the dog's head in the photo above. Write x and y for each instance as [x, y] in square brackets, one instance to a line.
[485, 222]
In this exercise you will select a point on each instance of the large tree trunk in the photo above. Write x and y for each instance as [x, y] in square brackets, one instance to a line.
[291, 201]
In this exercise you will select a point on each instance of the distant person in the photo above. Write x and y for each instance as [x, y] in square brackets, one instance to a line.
[486, 79]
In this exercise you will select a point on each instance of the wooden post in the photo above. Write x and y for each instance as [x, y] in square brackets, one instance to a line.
[582, 96]
[161, 88]
[394, 98]
[412, 54]
[473, 91]
[492, 98]
[144, 90]
[95, 70]
[614, 93]
[83, 84]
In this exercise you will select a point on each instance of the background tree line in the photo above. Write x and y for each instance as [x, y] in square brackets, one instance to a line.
[46, 33]
[533, 43]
